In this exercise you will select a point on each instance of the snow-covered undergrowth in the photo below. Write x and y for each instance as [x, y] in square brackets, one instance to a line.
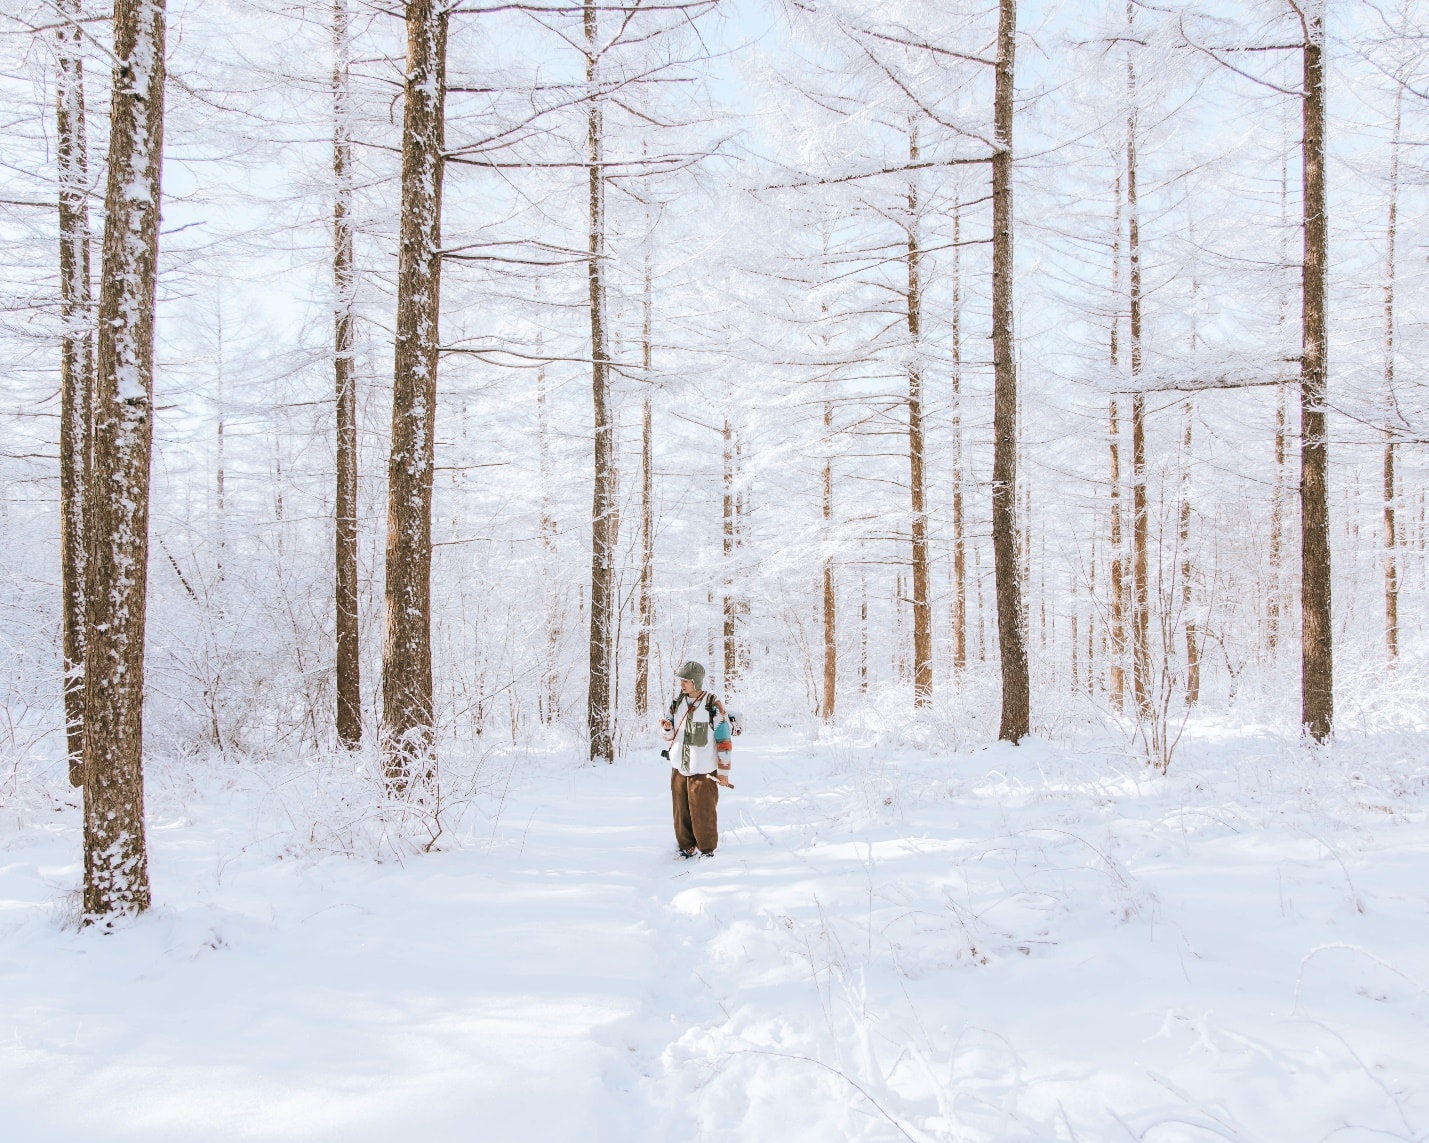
[988, 943]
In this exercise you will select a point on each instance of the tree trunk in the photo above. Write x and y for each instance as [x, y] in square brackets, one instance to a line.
[1016, 688]
[922, 609]
[730, 604]
[831, 648]
[1391, 538]
[1317, 701]
[599, 714]
[1116, 585]
[647, 517]
[116, 872]
[76, 368]
[960, 561]
[647, 564]
[1193, 648]
[408, 733]
[550, 675]
[349, 682]
[1140, 573]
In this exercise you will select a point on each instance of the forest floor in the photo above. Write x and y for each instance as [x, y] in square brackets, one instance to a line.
[1032, 943]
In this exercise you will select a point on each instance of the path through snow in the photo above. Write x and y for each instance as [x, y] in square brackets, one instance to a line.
[1001, 945]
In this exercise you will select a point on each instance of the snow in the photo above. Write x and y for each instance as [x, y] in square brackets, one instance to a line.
[894, 941]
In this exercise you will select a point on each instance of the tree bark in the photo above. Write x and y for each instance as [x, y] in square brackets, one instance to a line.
[1016, 688]
[730, 604]
[922, 607]
[1116, 585]
[599, 714]
[1140, 573]
[408, 731]
[76, 368]
[828, 706]
[1391, 537]
[647, 516]
[960, 564]
[349, 680]
[116, 873]
[1317, 702]
[1193, 647]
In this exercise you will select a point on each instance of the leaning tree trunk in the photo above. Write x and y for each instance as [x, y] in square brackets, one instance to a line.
[1016, 687]
[922, 608]
[116, 870]
[1317, 689]
[76, 368]
[349, 687]
[408, 733]
[603, 520]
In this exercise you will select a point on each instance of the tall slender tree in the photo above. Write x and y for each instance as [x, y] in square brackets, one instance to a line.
[408, 731]
[922, 606]
[349, 679]
[116, 872]
[1317, 685]
[76, 364]
[1016, 718]
[604, 487]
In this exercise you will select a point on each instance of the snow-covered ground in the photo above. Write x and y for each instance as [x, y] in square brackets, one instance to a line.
[893, 943]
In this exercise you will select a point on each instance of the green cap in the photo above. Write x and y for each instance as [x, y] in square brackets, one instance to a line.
[693, 671]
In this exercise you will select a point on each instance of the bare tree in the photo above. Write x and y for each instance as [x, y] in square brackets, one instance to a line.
[922, 609]
[76, 366]
[1391, 535]
[408, 733]
[604, 493]
[647, 508]
[1317, 688]
[116, 872]
[960, 570]
[1016, 688]
[349, 680]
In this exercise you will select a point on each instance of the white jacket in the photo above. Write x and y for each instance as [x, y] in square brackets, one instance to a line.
[694, 751]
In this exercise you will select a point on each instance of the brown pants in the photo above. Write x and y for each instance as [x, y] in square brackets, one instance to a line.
[695, 798]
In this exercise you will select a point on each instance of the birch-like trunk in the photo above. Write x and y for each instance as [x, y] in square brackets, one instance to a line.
[599, 714]
[116, 872]
[76, 367]
[1317, 688]
[408, 733]
[1016, 688]
[349, 680]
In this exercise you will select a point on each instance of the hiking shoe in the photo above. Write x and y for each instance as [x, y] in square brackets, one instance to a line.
[687, 853]
[706, 856]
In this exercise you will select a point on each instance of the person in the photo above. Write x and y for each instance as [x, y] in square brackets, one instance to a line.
[697, 737]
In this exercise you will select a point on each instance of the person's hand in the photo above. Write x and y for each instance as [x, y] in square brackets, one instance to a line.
[723, 780]
[666, 724]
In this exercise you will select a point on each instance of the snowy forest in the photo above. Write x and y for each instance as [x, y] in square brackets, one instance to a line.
[1015, 406]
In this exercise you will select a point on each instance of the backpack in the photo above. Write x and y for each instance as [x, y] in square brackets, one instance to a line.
[716, 711]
